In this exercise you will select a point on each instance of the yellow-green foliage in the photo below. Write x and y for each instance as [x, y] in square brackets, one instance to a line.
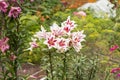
[117, 27]
[29, 23]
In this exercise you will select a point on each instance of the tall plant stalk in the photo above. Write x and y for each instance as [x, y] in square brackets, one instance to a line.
[51, 65]
[47, 74]
[2, 66]
[65, 67]
[91, 75]
[15, 70]
[2, 29]
[16, 50]
[77, 74]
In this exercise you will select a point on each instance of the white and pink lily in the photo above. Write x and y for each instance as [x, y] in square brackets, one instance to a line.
[33, 44]
[41, 34]
[56, 30]
[62, 44]
[77, 38]
[51, 42]
[77, 46]
[68, 25]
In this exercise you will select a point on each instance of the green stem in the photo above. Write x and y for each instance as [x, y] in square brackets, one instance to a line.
[3, 68]
[107, 76]
[47, 74]
[15, 69]
[2, 29]
[4, 26]
[16, 50]
[91, 73]
[51, 65]
[77, 74]
[65, 67]
[3, 72]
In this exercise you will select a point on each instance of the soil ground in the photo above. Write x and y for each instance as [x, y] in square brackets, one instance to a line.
[34, 72]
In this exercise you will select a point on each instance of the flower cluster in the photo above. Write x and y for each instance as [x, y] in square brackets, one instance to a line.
[3, 44]
[62, 38]
[14, 11]
[116, 71]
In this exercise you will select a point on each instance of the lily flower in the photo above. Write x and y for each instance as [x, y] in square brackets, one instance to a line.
[77, 38]
[33, 44]
[3, 6]
[68, 25]
[77, 46]
[3, 44]
[62, 44]
[50, 41]
[41, 34]
[14, 12]
[56, 30]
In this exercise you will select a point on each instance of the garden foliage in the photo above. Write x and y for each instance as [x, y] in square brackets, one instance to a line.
[92, 59]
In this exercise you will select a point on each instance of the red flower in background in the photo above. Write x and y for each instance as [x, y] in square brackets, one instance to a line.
[114, 70]
[113, 48]
[118, 75]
